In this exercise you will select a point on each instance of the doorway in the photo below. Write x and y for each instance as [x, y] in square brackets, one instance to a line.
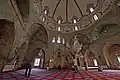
[39, 59]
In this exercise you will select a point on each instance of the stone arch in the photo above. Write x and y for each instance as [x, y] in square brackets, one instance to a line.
[40, 53]
[111, 51]
[114, 52]
[38, 38]
[7, 37]
[36, 27]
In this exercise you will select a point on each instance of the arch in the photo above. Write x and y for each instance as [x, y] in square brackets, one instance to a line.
[36, 27]
[7, 37]
[38, 38]
[90, 59]
[114, 52]
[111, 51]
[40, 54]
[37, 31]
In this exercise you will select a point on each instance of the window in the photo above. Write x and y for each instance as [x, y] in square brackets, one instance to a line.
[118, 57]
[43, 19]
[53, 40]
[74, 21]
[37, 62]
[63, 41]
[58, 40]
[95, 62]
[58, 28]
[59, 21]
[95, 17]
[45, 12]
[76, 28]
[91, 10]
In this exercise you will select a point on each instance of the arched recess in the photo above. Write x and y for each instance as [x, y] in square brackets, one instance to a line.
[62, 57]
[39, 58]
[114, 53]
[38, 39]
[95, 59]
[90, 59]
[111, 53]
[7, 35]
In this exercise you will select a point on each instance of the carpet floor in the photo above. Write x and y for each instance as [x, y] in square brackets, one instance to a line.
[39, 74]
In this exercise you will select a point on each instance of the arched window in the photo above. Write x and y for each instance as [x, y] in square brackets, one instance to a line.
[91, 9]
[58, 28]
[53, 40]
[95, 62]
[58, 40]
[95, 16]
[59, 21]
[45, 11]
[76, 28]
[43, 19]
[74, 21]
[63, 41]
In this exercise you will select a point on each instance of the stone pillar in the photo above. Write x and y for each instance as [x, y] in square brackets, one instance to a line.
[85, 61]
[98, 57]
[105, 52]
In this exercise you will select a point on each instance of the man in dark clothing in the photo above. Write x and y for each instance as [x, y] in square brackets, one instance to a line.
[28, 68]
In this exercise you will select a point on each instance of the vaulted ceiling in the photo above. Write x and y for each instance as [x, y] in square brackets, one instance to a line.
[73, 15]
[68, 8]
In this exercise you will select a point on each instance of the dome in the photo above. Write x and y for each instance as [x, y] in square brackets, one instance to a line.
[74, 8]
[73, 15]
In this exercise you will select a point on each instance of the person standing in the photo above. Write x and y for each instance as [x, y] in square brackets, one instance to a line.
[28, 68]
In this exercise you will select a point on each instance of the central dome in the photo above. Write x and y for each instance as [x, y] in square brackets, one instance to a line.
[72, 15]
[67, 9]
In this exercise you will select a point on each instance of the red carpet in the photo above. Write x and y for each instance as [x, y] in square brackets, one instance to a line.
[38, 74]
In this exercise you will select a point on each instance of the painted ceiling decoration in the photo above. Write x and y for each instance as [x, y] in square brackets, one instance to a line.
[72, 15]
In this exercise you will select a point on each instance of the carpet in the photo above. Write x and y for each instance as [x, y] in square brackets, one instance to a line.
[39, 74]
